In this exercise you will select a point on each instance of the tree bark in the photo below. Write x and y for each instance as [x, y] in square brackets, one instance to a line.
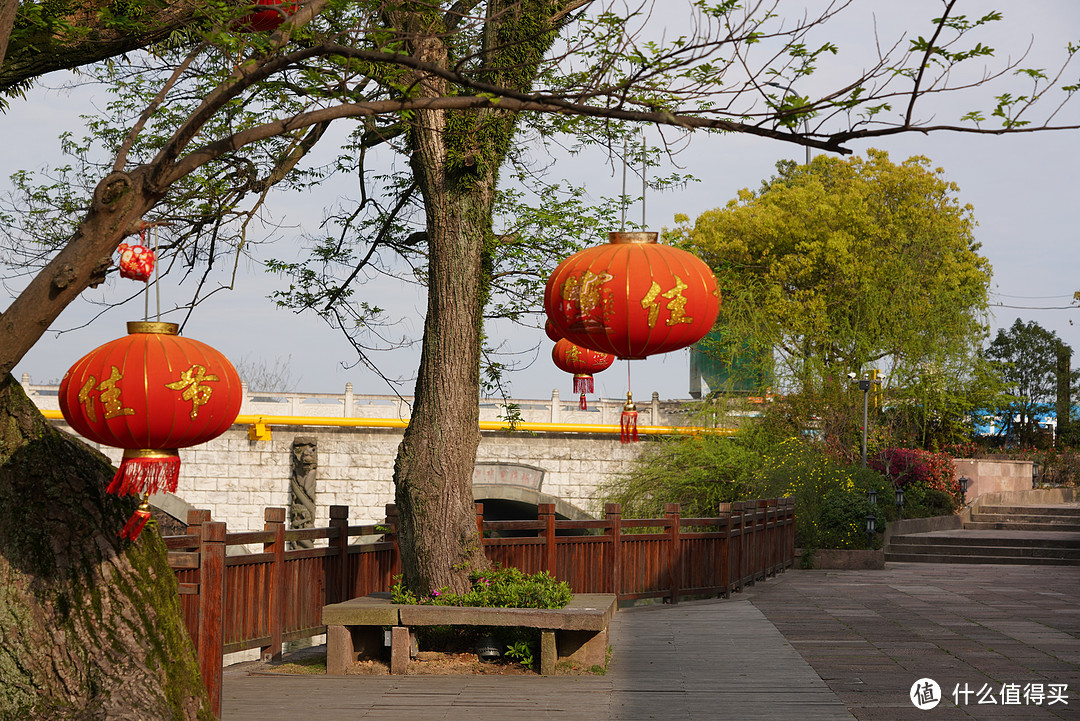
[91, 625]
[85, 32]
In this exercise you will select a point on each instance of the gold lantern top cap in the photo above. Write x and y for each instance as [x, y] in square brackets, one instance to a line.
[637, 237]
[152, 327]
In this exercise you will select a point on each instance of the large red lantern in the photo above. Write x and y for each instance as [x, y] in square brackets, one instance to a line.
[150, 393]
[632, 297]
[265, 20]
[583, 363]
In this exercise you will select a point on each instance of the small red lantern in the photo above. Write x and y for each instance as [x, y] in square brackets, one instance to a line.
[632, 297]
[136, 262]
[583, 363]
[150, 393]
[264, 21]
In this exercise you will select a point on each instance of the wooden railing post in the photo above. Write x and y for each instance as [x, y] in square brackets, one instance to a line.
[762, 539]
[339, 519]
[546, 513]
[772, 523]
[196, 517]
[724, 572]
[211, 646]
[613, 515]
[391, 522]
[738, 529]
[671, 512]
[274, 519]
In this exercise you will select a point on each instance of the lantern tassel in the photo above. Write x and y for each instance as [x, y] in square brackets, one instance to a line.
[629, 421]
[147, 472]
[583, 383]
[137, 522]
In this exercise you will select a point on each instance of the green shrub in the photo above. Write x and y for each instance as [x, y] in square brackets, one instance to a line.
[495, 588]
[843, 519]
[697, 472]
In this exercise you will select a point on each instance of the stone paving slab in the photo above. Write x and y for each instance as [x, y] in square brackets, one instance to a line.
[813, 645]
[696, 661]
[958, 624]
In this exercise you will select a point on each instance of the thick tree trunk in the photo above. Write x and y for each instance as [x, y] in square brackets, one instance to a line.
[91, 625]
[456, 159]
[439, 541]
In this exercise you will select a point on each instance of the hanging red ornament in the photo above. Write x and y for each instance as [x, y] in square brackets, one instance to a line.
[136, 262]
[583, 363]
[552, 334]
[265, 20]
[628, 422]
[632, 297]
[150, 393]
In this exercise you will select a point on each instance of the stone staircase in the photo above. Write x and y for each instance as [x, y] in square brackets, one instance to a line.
[1016, 534]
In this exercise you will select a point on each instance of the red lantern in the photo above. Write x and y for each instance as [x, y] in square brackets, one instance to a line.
[136, 262]
[264, 21]
[583, 363]
[552, 334]
[150, 393]
[632, 297]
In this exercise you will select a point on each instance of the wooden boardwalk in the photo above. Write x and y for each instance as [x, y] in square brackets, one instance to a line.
[696, 660]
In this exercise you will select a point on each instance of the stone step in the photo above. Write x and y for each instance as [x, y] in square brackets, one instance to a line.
[1024, 518]
[983, 539]
[956, 558]
[1009, 525]
[1012, 551]
[1059, 510]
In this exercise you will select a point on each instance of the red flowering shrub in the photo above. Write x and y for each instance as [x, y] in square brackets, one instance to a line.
[912, 467]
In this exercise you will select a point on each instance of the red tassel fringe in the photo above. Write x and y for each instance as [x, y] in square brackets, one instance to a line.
[583, 383]
[146, 475]
[135, 524]
[629, 427]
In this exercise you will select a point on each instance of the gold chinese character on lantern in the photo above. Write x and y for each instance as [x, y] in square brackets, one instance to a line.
[192, 383]
[109, 394]
[676, 303]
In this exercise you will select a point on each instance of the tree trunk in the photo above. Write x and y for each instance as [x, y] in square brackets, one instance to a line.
[456, 157]
[439, 541]
[91, 625]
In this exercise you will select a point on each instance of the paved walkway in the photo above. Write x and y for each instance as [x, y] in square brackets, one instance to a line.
[807, 645]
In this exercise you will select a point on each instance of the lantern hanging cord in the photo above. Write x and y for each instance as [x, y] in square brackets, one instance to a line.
[644, 185]
[157, 274]
[146, 288]
[622, 200]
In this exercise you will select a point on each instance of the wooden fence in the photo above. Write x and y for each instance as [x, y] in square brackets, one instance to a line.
[260, 600]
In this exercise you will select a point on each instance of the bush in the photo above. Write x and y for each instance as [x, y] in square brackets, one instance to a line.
[843, 520]
[495, 588]
[697, 472]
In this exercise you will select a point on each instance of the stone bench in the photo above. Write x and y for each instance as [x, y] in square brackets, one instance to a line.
[577, 633]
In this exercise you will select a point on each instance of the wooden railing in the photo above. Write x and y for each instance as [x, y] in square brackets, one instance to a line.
[260, 600]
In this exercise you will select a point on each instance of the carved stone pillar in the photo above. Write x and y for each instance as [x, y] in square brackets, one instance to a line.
[305, 462]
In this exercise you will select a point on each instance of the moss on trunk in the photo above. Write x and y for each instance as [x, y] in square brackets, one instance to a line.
[91, 625]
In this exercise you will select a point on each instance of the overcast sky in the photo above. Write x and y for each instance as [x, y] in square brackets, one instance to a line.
[1023, 190]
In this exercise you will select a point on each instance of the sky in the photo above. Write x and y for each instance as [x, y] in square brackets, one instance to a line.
[1023, 190]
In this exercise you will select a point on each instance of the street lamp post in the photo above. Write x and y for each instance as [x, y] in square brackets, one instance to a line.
[899, 503]
[864, 383]
[870, 530]
[963, 490]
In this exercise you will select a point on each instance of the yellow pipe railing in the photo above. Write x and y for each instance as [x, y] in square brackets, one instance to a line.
[259, 420]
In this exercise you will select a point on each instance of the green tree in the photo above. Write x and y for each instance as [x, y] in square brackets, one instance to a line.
[447, 84]
[1026, 357]
[846, 265]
